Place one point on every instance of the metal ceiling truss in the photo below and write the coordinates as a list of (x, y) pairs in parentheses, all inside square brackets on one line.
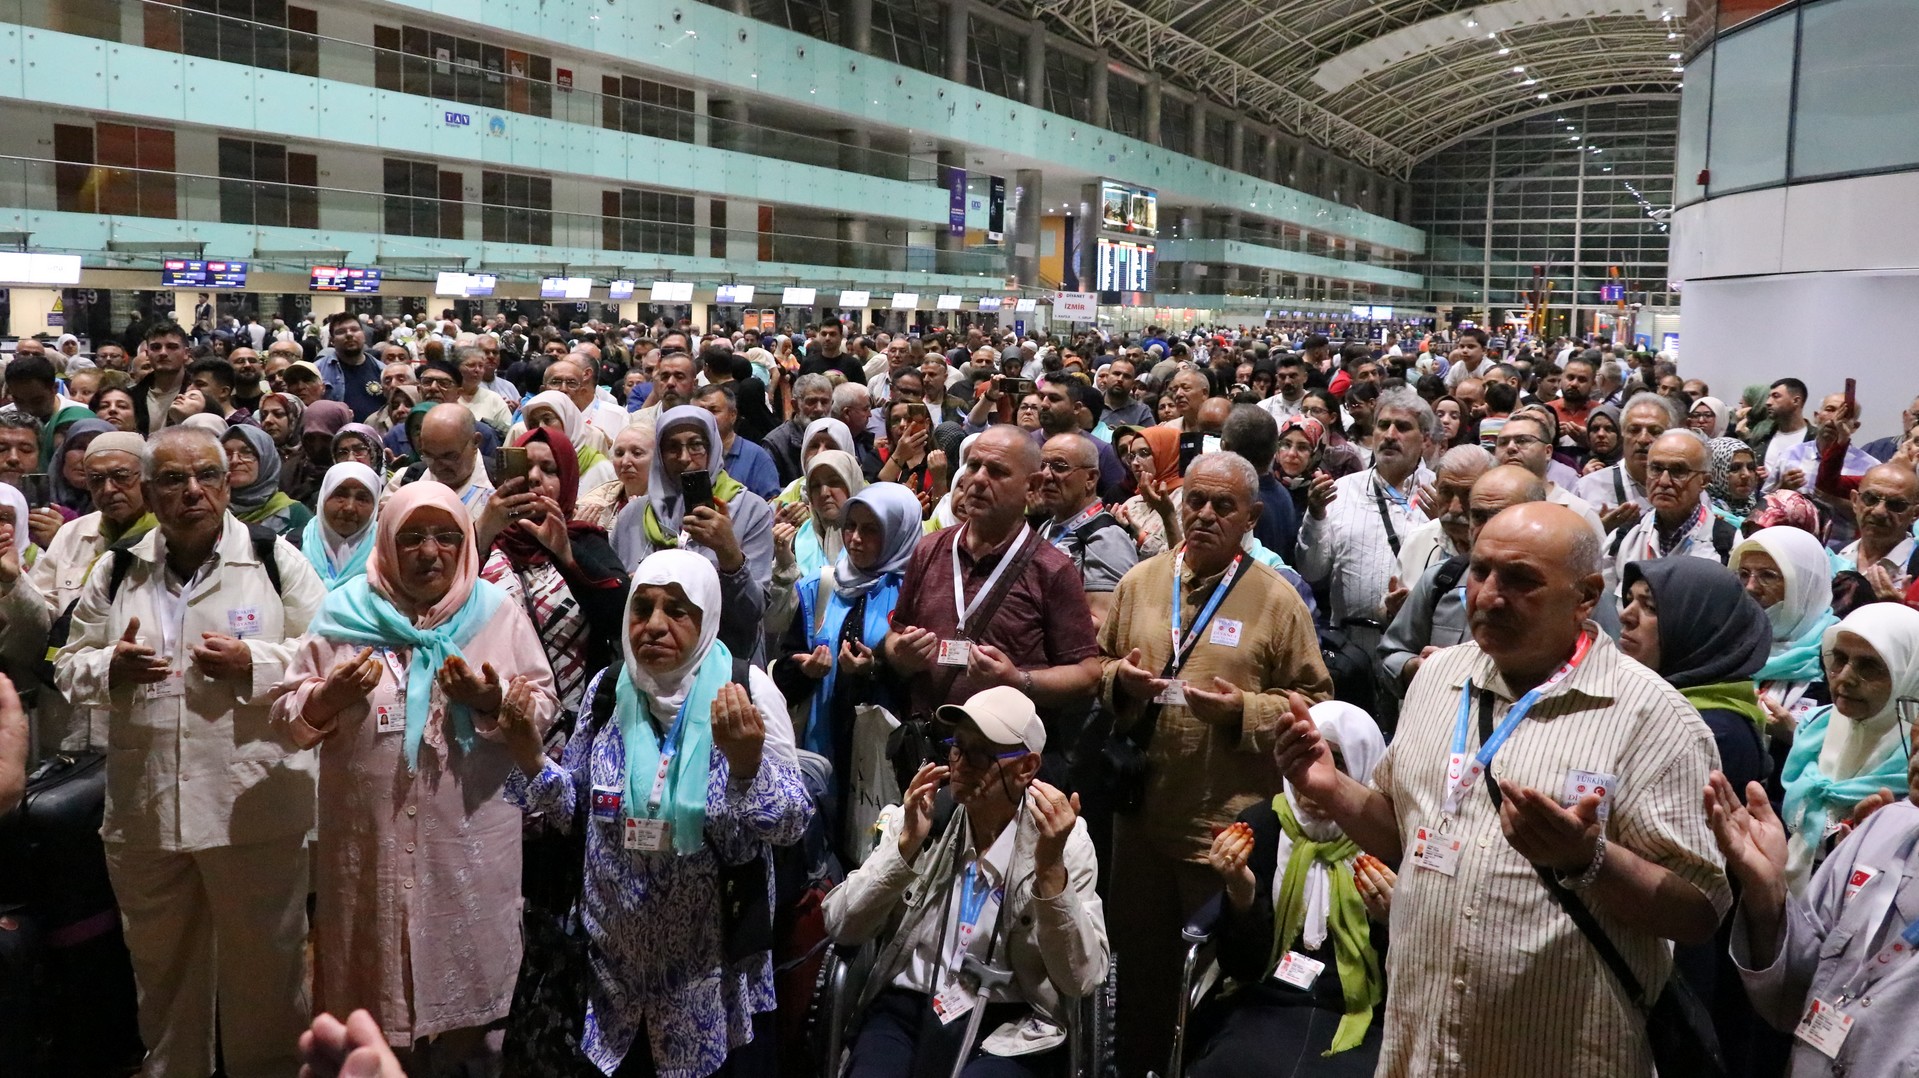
[(1259, 56)]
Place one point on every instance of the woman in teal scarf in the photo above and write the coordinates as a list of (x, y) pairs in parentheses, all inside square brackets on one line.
[(682, 764), (1851, 751), (1786, 570), (399, 683), (1293, 892), (340, 539)]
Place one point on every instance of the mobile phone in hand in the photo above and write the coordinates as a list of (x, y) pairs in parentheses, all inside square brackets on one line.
[(514, 463), (696, 489), (38, 490), (1191, 444)]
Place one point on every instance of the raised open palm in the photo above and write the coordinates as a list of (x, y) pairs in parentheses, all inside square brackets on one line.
[(1750, 836)]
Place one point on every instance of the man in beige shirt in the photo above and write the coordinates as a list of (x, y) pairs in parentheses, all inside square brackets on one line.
[(1489, 975)]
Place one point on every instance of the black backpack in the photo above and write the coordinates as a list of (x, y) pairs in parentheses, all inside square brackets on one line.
[(265, 540)]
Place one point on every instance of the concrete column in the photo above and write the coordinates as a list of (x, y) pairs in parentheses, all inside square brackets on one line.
[(853, 253), (859, 26), (1102, 107), (1035, 63), (1153, 94), (1199, 128), (1271, 155), (1189, 271), (855, 144), (1236, 146), (1026, 213), (724, 127), (956, 40)]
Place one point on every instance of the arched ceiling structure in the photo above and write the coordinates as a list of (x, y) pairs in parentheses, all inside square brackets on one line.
[(1385, 82)]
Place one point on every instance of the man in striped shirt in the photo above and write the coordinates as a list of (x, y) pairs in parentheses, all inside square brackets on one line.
[(1599, 777)]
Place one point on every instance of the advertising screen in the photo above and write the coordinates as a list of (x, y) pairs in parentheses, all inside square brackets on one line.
[(734, 293), (1124, 266), (351, 280), (1125, 208), (200, 273), (672, 292)]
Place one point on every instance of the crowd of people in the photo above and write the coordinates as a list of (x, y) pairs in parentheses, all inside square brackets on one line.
[(556, 694)]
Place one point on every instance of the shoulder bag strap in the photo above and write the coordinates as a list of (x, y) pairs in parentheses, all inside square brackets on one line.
[(1379, 499), (1575, 907)]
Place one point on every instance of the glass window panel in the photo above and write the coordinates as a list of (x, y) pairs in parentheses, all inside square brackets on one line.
[(1695, 98), (1856, 107), (1751, 96)]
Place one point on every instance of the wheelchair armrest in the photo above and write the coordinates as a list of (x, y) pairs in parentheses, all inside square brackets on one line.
[(1199, 928)]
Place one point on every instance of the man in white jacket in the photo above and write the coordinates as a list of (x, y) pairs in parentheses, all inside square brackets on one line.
[(183, 641)]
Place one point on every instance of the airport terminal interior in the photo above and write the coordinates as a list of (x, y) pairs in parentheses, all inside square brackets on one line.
[(883, 538)]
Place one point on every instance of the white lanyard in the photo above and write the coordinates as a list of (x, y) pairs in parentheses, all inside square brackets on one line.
[(963, 608)]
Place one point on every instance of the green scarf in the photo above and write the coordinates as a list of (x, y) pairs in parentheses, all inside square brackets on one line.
[(1360, 980), (261, 512), (59, 421), (1738, 696), (724, 489), (588, 457)]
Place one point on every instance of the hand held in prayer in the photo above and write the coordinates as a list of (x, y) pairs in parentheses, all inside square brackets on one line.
[(738, 732), (1231, 850), (1547, 834), (711, 526), (134, 662), (516, 729), (936, 467), (1426, 499), (1136, 681), (1623, 515), (783, 534), (1887, 586), (347, 683), (914, 649), (481, 691), (1780, 722), (1792, 479), (917, 809), (856, 659), (1149, 488), (355, 1048), (815, 664), (1053, 814), (991, 664), (220, 656), (1301, 753), (1869, 806), (1396, 593), (1375, 883), (9, 566), (1753, 841), (1320, 495), (1223, 705)]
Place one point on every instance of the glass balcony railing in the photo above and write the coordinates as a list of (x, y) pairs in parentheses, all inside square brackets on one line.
[(460, 71), (490, 235)]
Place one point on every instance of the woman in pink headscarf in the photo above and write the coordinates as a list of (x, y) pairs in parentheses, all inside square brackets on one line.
[(400, 682)]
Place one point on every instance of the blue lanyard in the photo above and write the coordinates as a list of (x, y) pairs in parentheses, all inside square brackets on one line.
[(971, 901), (1460, 778), (1206, 613), (669, 745), (1403, 501)]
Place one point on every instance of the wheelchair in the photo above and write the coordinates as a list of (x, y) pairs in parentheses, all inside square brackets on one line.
[(1090, 1036), (1198, 975)]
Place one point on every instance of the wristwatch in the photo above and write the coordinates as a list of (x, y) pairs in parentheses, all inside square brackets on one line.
[(1585, 879)]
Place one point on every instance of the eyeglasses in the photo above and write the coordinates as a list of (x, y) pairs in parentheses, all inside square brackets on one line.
[(1895, 506), (240, 452), (1521, 441), (1678, 473), (978, 757), (1767, 577), (565, 383), (119, 477), (445, 540), (1061, 467), (1139, 455), (173, 482)]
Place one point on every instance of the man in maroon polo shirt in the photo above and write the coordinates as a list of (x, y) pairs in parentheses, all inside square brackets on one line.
[(1039, 639)]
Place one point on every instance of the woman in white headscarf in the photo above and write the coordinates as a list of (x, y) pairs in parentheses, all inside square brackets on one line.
[(1786, 570), (682, 772), (555, 409), (802, 549), (1847, 758), (821, 435), (1708, 416), (946, 514), (339, 539), (844, 610), (1301, 932)]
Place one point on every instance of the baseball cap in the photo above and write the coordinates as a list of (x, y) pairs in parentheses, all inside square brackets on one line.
[(305, 367), (1003, 714)]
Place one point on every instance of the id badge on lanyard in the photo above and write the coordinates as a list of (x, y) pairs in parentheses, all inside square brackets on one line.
[(649, 833), (956, 651)]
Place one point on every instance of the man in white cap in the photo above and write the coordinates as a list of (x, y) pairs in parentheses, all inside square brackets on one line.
[(987, 890)]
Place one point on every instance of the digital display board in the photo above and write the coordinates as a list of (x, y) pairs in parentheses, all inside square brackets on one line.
[(856, 300), (798, 297), (200, 273), (672, 292), (1026, 306), (1124, 266), (989, 303), (947, 303), (620, 290), (566, 287), (23, 268), (906, 301), (466, 285), (1125, 208), (351, 280), (734, 293)]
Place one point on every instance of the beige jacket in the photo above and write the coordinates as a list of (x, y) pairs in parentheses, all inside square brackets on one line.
[(208, 767), (1057, 947), (58, 573)]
